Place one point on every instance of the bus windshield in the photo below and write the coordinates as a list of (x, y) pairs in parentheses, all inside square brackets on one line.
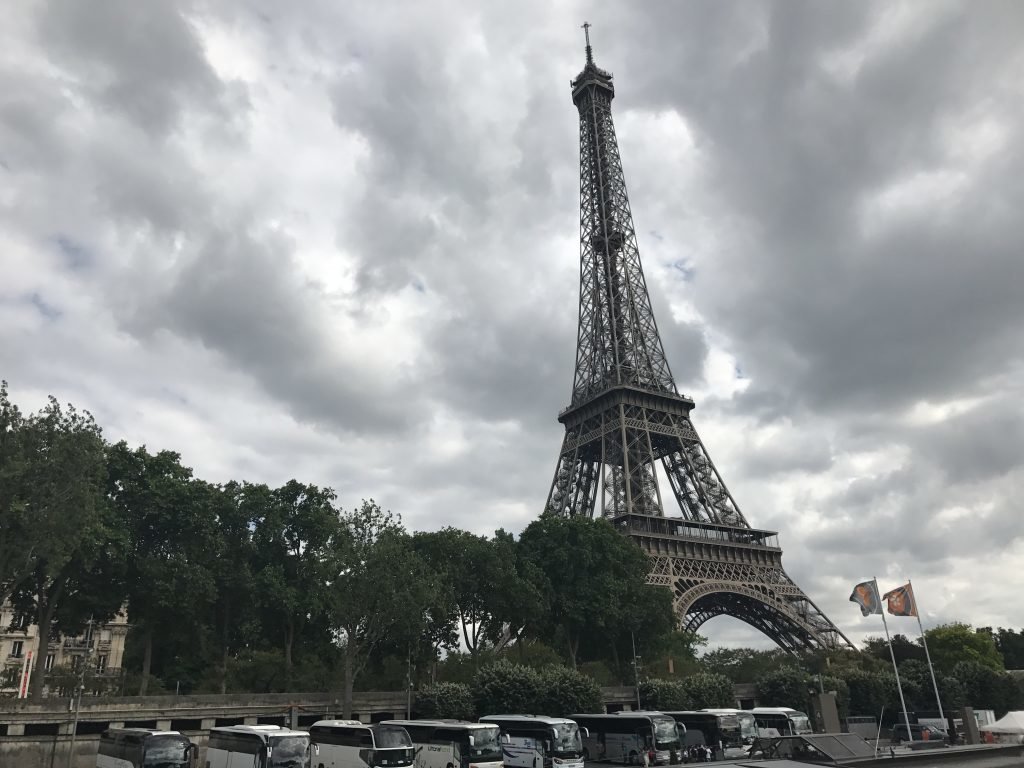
[(166, 752), (748, 727), (665, 734), (390, 736), (289, 752), (486, 743), (801, 723), (567, 740)]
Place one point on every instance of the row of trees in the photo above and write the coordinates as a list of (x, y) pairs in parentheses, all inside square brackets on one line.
[(240, 586), (243, 587), (969, 671)]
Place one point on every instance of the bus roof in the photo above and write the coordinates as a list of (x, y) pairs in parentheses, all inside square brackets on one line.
[(530, 719), (261, 731), (341, 724), (776, 711), (439, 723), (727, 711), (141, 732), (620, 715)]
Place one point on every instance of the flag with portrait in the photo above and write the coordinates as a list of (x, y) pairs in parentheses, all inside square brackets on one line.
[(901, 601), (865, 595)]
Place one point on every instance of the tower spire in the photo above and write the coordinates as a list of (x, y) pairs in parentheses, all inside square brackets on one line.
[(590, 51)]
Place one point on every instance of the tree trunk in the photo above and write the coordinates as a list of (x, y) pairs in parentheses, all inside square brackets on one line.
[(289, 640), (44, 620), (350, 675), (615, 658), (147, 661), (574, 645), (224, 648)]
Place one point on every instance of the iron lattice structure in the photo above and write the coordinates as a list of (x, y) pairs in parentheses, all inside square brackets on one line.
[(626, 418)]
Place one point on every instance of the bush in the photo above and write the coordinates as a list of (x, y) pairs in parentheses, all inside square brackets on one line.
[(705, 690), (445, 701), (506, 687), (566, 691), (785, 687), (670, 695)]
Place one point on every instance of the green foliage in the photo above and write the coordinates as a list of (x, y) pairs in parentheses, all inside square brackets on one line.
[(706, 690), (664, 695), (591, 580), (1010, 644), (951, 644), (445, 700), (867, 691), (785, 687), (566, 691), (903, 648), (506, 687), (987, 688), (743, 665)]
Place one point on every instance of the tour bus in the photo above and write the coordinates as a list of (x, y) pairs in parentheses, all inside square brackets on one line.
[(352, 744), (139, 747), (736, 745), (536, 741), (453, 743), (624, 736), (788, 722), (724, 730), (257, 746)]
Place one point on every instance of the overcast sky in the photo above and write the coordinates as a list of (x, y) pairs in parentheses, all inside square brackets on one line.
[(338, 241)]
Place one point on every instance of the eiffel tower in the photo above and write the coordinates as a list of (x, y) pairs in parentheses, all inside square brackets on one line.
[(626, 417)]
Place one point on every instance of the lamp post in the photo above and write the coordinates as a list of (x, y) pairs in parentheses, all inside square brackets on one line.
[(77, 693), (636, 669)]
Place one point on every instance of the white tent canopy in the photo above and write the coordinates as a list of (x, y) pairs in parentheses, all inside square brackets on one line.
[(1011, 722)]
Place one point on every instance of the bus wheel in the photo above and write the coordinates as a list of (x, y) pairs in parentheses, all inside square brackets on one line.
[(586, 753), (634, 758)]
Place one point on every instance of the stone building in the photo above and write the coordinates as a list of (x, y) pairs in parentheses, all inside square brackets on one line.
[(102, 650)]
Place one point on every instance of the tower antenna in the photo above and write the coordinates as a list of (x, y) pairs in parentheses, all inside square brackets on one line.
[(590, 51)]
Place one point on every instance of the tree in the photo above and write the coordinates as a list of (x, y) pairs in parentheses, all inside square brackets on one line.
[(297, 539), (168, 521), (445, 701), (379, 589), (474, 575), (741, 665), (506, 687), (785, 687), (19, 538), (903, 648), (867, 691), (565, 692), (708, 690), (1010, 643), (587, 572), (951, 644), (666, 695), (54, 473), (987, 688)]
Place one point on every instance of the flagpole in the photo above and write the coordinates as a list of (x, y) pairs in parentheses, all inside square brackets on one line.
[(927, 655), (895, 669)]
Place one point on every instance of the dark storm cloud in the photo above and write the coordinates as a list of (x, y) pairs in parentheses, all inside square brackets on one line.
[(142, 59)]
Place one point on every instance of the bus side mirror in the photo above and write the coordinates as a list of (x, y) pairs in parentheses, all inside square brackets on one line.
[(506, 739), (584, 733), (547, 746), (316, 749), (472, 740)]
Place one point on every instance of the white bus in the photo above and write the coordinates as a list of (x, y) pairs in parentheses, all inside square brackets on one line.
[(352, 744), (453, 743), (257, 746), (624, 737), (536, 741), (141, 747), (787, 721)]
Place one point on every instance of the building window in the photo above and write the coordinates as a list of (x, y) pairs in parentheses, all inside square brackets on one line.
[(48, 664), (105, 636), (101, 663), (16, 648)]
